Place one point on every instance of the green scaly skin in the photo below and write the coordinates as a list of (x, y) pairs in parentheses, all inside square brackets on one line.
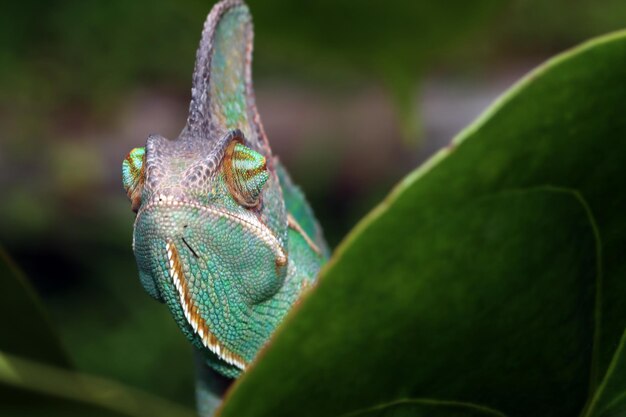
[(221, 236)]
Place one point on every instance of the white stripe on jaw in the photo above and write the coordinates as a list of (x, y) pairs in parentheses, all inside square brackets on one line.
[(190, 311)]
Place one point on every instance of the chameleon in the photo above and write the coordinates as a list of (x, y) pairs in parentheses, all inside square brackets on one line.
[(221, 234)]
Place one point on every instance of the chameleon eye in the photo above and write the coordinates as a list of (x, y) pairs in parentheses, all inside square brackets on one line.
[(133, 176), (245, 173)]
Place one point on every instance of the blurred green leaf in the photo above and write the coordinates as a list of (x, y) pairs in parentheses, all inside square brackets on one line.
[(26, 329), (106, 397), (493, 274), (29, 347), (426, 408), (110, 326)]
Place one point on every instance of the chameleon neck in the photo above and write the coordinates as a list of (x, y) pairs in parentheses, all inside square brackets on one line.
[(210, 386)]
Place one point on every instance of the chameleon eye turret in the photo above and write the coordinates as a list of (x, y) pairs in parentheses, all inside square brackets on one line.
[(133, 176), (246, 173)]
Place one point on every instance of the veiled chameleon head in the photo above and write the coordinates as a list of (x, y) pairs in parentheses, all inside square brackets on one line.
[(211, 228)]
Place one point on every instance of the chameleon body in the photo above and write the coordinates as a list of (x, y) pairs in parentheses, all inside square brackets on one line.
[(221, 235)]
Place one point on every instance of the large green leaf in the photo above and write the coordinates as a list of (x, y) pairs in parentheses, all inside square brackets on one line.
[(475, 306), (474, 281)]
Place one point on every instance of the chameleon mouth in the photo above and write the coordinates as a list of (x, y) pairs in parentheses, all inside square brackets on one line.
[(246, 219), (191, 311)]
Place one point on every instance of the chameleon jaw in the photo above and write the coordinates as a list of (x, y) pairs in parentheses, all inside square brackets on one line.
[(191, 311)]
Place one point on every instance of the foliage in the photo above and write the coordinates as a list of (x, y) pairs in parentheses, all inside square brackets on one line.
[(490, 281), (492, 275)]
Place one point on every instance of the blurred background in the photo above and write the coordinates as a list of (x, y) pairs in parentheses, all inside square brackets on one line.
[(353, 96)]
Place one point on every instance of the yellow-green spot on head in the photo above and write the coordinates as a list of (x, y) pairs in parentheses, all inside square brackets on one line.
[(245, 172), (133, 175)]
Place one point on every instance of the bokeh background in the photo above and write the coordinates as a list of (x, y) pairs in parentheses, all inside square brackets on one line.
[(353, 96)]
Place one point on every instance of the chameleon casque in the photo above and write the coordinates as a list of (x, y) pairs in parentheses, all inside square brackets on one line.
[(221, 234)]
